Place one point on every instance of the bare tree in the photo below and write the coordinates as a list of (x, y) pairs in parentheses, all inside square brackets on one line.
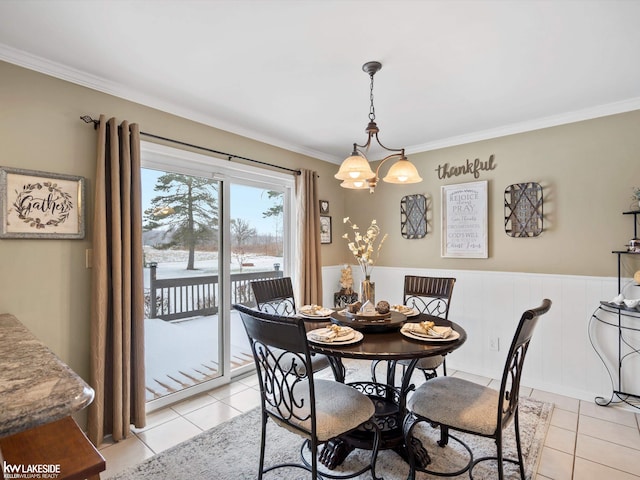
[(241, 232)]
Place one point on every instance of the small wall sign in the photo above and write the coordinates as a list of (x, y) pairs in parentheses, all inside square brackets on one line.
[(40, 205), (468, 168), (325, 229)]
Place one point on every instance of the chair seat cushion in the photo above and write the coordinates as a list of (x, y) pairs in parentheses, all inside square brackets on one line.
[(426, 363), (458, 403), (339, 409)]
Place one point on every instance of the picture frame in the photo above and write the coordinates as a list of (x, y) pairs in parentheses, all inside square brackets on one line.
[(324, 207), (325, 229), (41, 205), (465, 220)]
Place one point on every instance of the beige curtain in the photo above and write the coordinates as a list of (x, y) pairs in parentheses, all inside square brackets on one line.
[(117, 296), (309, 261)]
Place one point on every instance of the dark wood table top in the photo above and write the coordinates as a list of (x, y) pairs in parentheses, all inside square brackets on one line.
[(390, 345)]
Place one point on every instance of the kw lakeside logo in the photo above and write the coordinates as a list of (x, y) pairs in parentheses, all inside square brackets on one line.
[(38, 470)]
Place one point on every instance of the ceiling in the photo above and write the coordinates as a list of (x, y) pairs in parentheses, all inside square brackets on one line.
[(289, 72)]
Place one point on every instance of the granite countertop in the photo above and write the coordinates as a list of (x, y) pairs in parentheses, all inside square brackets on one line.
[(36, 387)]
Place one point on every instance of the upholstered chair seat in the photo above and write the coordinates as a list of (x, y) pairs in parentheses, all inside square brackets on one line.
[(459, 403), (426, 363), (339, 408)]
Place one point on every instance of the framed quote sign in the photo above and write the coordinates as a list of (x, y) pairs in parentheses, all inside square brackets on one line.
[(40, 205), (325, 229), (464, 220)]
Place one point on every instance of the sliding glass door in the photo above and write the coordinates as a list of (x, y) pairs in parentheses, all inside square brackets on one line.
[(208, 230)]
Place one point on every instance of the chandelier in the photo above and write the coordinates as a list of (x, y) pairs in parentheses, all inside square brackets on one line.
[(355, 172)]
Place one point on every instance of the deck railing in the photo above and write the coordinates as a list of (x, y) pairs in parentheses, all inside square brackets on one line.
[(175, 298)]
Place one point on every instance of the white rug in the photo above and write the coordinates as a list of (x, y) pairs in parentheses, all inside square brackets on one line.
[(230, 451)]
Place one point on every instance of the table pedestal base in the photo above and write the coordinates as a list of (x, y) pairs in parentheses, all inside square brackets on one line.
[(388, 418)]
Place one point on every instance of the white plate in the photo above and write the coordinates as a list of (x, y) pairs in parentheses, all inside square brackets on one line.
[(355, 337), (407, 313), (454, 336), (321, 313)]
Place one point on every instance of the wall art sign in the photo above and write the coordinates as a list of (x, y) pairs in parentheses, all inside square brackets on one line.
[(325, 229), (469, 167), (464, 220), (523, 213), (413, 216), (324, 207), (41, 205)]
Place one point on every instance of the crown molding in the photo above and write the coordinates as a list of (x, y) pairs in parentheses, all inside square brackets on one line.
[(78, 77), (531, 125)]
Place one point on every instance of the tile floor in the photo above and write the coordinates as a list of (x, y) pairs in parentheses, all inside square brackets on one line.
[(584, 441)]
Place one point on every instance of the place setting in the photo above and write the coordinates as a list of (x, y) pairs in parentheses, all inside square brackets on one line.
[(429, 331), (405, 310), (335, 335), (315, 312)]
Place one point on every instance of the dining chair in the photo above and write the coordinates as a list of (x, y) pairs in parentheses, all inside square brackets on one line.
[(459, 404), (275, 296), (316, 409), (430, 295)]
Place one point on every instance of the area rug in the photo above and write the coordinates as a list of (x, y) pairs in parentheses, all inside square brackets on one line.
[(230, 451)]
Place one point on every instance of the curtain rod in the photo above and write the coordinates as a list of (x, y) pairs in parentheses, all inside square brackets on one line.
[(88, 119)]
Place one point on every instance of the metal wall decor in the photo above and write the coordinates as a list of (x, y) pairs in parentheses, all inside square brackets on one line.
[(523, 210), (413, 216)]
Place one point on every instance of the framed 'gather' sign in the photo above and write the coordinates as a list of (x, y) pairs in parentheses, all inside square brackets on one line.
[(41, 205), (464, 220)]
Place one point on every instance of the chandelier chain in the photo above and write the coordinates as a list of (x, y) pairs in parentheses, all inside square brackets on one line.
[(372, 110)]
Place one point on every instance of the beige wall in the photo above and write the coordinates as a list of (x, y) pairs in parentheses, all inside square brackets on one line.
[(587, 170)]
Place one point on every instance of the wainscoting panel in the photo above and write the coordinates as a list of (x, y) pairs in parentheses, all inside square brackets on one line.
[(561, 358)]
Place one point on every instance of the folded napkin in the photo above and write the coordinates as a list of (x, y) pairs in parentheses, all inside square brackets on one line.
[(428, 329), (330, 334)]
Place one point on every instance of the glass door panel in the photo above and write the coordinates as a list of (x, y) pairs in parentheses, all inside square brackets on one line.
[(257, 252), (181, 239)]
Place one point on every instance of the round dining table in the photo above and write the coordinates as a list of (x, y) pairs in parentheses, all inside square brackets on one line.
[(381, 341)]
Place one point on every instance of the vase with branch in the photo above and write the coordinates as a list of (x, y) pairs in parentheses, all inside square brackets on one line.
[(366, 252)]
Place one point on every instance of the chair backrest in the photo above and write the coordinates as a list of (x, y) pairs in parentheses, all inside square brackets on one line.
[(431, 295), (510, 385), (281, 353), (274, 296)]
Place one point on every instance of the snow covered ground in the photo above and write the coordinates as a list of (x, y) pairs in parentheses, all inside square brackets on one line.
[(182, 353)]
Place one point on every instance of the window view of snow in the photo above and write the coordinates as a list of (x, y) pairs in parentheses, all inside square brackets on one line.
[(181, 243)]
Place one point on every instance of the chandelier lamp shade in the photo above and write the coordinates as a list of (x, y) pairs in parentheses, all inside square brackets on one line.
[(356, 173)]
